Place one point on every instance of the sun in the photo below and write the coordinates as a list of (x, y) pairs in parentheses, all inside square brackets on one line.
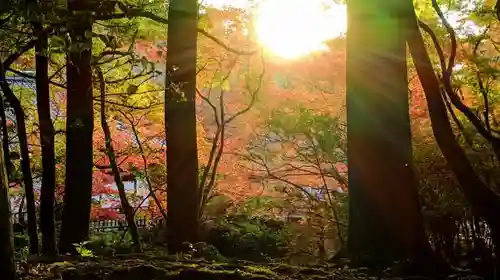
[(294, 28)]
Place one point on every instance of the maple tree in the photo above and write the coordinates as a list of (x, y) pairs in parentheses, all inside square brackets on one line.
[(299, 158)]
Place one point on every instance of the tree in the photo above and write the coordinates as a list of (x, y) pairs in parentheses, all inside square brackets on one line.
[(180, 121), (23, 144), (25, 166), (47, 193), (385, 219), (79, 129), (229, 85), (484, 201), (7, 267), (302, 153), (127, 209), (5, 138)]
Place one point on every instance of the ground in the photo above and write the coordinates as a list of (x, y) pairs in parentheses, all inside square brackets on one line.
[(141, 267)]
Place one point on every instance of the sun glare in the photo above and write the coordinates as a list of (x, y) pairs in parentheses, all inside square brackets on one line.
[(295, 28)]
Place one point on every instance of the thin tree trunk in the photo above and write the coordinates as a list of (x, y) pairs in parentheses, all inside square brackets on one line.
[(20, 210), (25, 166), (180, 121), (483, 200), (79, 131), (127, 209), (146, 175), (47, 193), (5, 139), (386, 223), (7, 263)]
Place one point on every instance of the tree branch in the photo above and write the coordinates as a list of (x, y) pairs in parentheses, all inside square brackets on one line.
[(128, 12)]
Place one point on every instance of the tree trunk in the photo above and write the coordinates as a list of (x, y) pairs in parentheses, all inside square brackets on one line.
[(7, 264), (20, 210), (483, 200), (146, 175), (180, 121), (127, 209), (5, 139), (25, 166), (47, 192), (385, 223), (79, 130)]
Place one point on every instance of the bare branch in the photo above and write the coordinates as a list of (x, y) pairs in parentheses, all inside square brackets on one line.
[(19, 73), (145, 163), (457, 102), (130, 12), (453, 38)]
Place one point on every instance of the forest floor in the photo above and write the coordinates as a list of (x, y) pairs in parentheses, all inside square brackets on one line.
[(143, 268)]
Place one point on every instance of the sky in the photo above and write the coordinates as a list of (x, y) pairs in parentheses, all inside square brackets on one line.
[(280, 31), (458, 20), (234, 3), (454, 17)]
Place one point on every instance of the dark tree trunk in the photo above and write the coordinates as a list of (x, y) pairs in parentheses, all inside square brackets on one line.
[(386, 223), (5, 139), (180, 119), (7, 264), (25, 166), (47, 193), (483, 200), (79, 130), (127, 209)]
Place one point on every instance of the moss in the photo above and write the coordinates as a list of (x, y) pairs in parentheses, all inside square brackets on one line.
[(318, 277), (207, 274), (260, 270), (159, 269), (166, 271), (313, 271)]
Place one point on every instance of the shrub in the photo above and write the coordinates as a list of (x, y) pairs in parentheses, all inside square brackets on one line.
[(249, 238), (109, 243)]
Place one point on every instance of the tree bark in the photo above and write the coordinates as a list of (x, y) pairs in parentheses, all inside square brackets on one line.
[(79, 131), (127, 209), (483, 200), (5, 139), (7, 263), (25, 166), (386, 223), (180, 121), (20, 210), (47, 192)]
